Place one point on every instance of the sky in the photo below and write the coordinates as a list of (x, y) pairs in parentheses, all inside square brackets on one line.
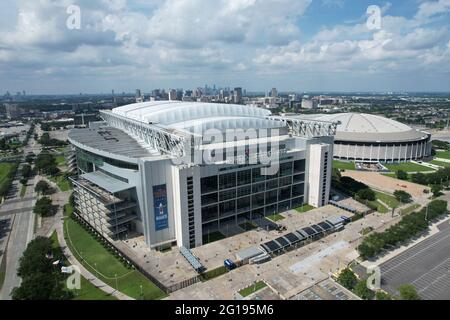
[(293, 45)]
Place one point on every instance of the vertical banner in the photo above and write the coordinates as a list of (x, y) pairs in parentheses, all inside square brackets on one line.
[(160, 207)]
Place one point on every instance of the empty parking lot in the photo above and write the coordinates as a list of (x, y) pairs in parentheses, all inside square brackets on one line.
[(426, 266)]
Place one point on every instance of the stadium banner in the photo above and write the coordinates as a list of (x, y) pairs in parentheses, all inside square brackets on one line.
[(160, 207)]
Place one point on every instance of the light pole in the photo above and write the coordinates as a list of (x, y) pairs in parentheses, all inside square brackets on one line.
[(426, 213), (117, 287), (142, 293)]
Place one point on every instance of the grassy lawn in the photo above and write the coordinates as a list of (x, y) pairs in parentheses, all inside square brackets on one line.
[(212, 237), (23, 189), (94, 253), (61, 181), (304, 208), (443, 154), (247, 226), (275, 217), (380, 208), (409, 209), (88, 291), (2, 270), (343, 165), (391, 201), (440, 163), (5, 167), (60, 160), (253, 288), (407, 167)]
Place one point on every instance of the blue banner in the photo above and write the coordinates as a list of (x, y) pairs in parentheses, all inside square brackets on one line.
[(160, 207)]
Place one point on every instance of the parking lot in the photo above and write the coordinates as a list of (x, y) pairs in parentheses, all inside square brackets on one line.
[(425, 265)]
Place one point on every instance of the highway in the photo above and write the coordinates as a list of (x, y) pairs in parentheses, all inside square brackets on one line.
[(20, 212)]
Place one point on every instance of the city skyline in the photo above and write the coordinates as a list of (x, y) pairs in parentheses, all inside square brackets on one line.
[(295, 46)]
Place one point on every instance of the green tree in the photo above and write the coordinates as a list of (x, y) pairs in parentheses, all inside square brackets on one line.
[(347, 278), (42, 187), (402, 175), (408, 292), (419, 178), (362, 291), (44, 207), (26, 171), (366, 194), (380, 295), (436, 189), (46, 163), (402, 196)]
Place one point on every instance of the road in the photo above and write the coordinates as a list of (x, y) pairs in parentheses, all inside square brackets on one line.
[(19, 211)]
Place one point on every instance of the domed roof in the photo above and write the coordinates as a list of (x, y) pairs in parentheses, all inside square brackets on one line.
[(360, 127), (366, 123)]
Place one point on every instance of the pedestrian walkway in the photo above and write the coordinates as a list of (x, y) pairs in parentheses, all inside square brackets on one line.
[(84, 272)]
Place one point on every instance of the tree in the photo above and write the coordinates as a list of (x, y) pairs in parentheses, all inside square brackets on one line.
[(42, 187), (366, 194), (436, 189), (402, 196), (380, 295), (44, 207), (41, 280), (26, 171), (362, 291), (408, 292), (347, 278), (419, 178), (402, 175), (46, 163)]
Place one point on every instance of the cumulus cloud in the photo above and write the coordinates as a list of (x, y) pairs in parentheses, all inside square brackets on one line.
[(181, 38)]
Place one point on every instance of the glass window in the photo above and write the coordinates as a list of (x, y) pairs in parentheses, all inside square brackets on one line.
[(243, 204), (299, 178), (284, 193), (258, 200), (271, 196), (257, 188), (227, 208), (209, 213), (209, 199), (227, 195), (209, 184), (285, 181), (244, 191), (257, 177), (244, 177), (298, 190), (286, 169), (299, 166), (227, 181)]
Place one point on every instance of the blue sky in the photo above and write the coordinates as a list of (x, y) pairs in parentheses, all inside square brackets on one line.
[(302, 45)]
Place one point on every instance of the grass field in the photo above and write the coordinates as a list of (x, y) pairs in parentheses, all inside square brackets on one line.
[(407, 167), (380, 208), (304, 208), (441, 163), (5, 167), (275, 217), (391, 201), (23, 189), (409, 209), (60, 160), (212, 237), (2, 270), (62, 182), (129, 281), (443, 154), (88, 291), (343, 165), (253, 288)]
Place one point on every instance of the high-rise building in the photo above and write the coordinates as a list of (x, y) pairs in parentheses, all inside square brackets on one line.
[(139, 97), (237, 95), (172, 94), (13, 111), (274, 93)]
